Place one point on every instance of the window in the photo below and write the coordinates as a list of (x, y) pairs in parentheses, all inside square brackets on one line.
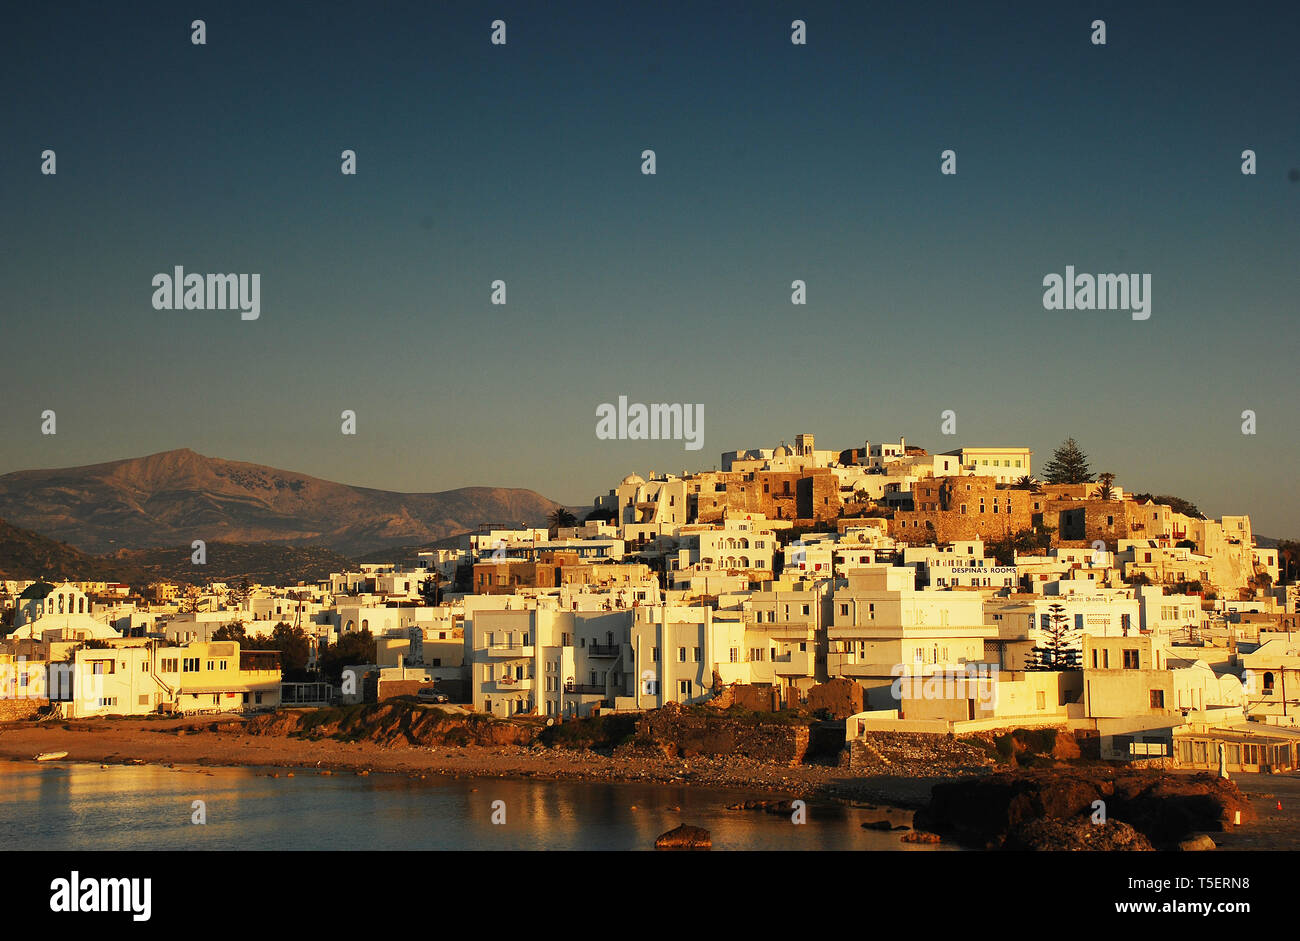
[(1157, 699), (169, 665), (99, 667), (144, 666), (681, 654), (654, 654), (1041, 699), (735, 654), (695, 655), (844, 610), (1130, 660), (684, 687)]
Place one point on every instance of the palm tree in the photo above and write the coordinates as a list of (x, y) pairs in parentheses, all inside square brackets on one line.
[(1029, 483), (561, 518), (1105, 491)]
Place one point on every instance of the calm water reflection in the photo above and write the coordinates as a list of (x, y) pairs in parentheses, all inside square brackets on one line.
[(55, 806)]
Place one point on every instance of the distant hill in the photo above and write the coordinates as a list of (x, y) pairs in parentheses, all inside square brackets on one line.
[(407, 555), (263, 562), (25, 554), (174, 497)]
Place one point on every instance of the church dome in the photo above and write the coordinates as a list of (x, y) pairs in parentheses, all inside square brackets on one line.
[(36, 590), (635, 479), (781, 451)]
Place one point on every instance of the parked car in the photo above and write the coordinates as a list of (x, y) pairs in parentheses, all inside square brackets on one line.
[(430, 694)]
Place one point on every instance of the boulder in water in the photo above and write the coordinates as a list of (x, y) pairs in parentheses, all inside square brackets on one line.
[(685, 837)]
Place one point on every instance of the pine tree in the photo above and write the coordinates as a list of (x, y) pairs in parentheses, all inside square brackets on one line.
[(1060, 648), (1069, 465)]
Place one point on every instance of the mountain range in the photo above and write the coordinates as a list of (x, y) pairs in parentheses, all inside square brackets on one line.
[(171, 498)]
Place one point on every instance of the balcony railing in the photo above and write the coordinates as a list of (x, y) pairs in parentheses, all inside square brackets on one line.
[(584, 689), (514, 683), (602, 650), (510, 650)]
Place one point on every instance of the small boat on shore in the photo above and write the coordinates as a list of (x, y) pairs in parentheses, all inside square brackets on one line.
[(51, 755)]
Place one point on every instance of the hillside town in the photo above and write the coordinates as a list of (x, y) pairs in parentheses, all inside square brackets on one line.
[(884, 585)]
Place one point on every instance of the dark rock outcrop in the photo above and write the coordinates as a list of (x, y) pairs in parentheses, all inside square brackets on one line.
[(687, 733), (921, 836), (1077, 833), (1163, 807), (781, 807), (685, 837), (395, 723)]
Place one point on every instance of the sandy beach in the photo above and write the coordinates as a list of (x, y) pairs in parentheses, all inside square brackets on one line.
[(191, 741)]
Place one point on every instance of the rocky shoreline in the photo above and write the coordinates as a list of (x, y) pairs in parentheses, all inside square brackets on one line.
[(195, 742), (1085, 808), (980, 807)]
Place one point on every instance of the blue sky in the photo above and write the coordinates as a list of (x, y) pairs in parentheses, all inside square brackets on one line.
[(775, 162)]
